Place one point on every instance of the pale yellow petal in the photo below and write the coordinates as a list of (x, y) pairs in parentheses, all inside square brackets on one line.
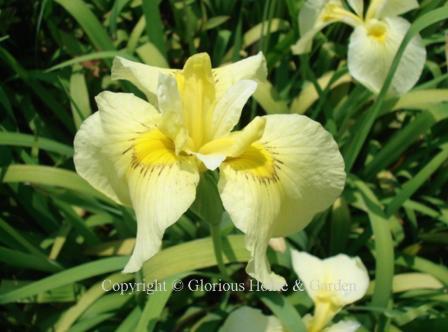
[(172, 122), (235, 143), (308, 165), (250, 320), (305, 43), (94, 165), (279, 183), (357, 6), (349, 278), (390, 8), (228, 109), (315, 16), (311, 272), (253, 204), (310, 13), (278, 244), (339, 280), (252, 68), (211, 161), (124, 117), (372, 49), (310, 23), (162, 187), (197, 91), (144, 77)]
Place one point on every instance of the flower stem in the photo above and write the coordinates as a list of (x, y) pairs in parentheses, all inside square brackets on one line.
[(217, 246)]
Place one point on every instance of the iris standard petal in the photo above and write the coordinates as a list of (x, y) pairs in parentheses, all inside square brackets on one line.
[(279, 183), (250, 320), (229, 107), (252, 68), (357, 6), (197, 92), (172, 122), (372, 49), (93, 165), (144, 77)]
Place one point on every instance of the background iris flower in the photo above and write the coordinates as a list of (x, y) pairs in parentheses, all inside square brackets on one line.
[(374, 42)]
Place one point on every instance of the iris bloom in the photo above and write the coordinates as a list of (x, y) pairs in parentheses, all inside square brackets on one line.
[(275, 174), (331, 283), (374, 42), (252, 320)]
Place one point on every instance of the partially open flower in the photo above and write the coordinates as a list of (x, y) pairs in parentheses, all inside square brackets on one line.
[(374, 42), (331, 283)]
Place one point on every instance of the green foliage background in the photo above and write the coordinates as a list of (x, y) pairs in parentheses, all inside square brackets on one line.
[(59, 238)]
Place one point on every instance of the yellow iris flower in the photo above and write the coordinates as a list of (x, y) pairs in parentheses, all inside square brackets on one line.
[(374, 42), (274, 175), (331, 283)]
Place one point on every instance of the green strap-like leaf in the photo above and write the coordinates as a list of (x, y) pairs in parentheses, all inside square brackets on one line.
[(50, 176), (410, 187), (18, 139), (90, 24), (384, 246)]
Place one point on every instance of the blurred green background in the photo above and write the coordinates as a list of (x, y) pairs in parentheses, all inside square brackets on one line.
[(59, 239)]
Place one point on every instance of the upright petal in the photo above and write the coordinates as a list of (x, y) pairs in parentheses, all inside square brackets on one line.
[(357, 6), (144, 77), (279, 183), (162, 187), (250, 320), (390, 8), (197, 91), (172, 122), (372, 49), (252, 68), (228, 109)]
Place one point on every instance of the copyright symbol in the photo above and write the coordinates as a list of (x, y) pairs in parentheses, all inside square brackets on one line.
[(178, 285)]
